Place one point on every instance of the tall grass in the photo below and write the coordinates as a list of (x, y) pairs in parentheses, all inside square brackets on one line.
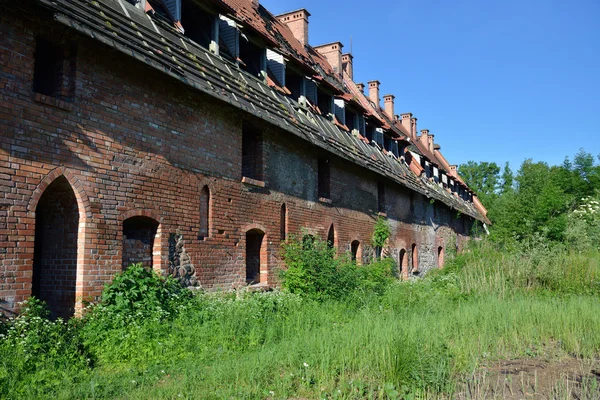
[(418, 338)]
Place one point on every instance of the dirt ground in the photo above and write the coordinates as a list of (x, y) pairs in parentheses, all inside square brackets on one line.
[(535, 378)]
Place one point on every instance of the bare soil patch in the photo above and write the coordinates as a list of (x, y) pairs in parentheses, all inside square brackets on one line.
[(535, 378)]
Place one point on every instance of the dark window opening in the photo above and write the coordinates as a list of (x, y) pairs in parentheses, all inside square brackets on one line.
[(324, 178), (283, 222), (49, 71), (351, 120), (55, 248), (380, 197), (294, 83), (325, 101), (256, 256), (138, 241), (412, 202), (370, 132), (204, 212), (252, 57), (252, 164), (331, 237), (387, 143), (355, 251), (198, 24)]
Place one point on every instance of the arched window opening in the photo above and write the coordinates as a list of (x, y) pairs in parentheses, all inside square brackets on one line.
[(356, 252), (403, 264), (256, 257), (331, 237), (415, 259), (139, 234), (283, 222), (55, 248), (204, 231), (440, 257)]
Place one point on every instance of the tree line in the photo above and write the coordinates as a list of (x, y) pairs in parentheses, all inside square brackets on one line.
[(558, 203)]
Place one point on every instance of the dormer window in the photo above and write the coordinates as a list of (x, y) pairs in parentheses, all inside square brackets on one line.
[(252, 58), (294, 83), (387, 143), (340, 110), (351, 120), (325, 103), (199, 25), (370, 132), (229, 39)]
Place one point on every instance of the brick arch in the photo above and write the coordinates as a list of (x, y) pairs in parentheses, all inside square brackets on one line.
[(161, 243), (83, 201), (256, 258), (85, 214)]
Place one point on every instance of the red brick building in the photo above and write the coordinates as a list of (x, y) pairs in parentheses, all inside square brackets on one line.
[(194, 136)]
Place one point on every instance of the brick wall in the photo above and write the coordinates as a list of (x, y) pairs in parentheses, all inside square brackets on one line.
[(135, 143)]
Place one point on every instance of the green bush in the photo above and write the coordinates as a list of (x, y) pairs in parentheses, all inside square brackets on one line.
[(314, 271)]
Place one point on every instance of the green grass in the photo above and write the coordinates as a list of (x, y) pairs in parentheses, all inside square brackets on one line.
[(417, 339)]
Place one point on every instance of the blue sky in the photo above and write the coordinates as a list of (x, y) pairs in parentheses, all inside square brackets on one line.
[(492, 80)]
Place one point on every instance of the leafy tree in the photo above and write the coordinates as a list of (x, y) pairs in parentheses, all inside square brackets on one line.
[(483, 177), (507, 179)]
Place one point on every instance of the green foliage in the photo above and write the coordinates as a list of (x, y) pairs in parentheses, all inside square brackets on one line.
[(314, 271), (37, 355), (381, 232), (583, 229), (482, 177)]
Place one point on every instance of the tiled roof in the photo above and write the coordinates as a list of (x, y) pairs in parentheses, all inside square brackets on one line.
[(159, 45)]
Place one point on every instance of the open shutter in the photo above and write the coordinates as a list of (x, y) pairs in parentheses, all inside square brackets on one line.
[(229, 36), (340, 112), (276, 66), (311, 90), (379, 137), (362, 127), (174, 8)]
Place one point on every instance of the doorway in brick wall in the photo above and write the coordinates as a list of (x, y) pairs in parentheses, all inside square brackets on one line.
[(55, 249), (256, 257), (139, 234)]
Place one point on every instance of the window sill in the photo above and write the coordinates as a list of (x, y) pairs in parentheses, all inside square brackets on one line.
[(382, 214), (325, 200), (52, 101), (253, 182)]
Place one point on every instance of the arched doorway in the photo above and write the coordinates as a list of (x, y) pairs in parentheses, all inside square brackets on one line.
[(256, 257), (331, 237), (403, 264), (139, 234), (55, 249), (415, 259), (356, 252), (440, 257)]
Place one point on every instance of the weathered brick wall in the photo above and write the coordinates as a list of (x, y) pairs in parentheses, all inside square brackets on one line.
[(136, 143)]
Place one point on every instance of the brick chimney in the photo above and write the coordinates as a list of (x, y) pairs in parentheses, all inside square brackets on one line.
[(333, 53), (424, 138), (374, 92), (405, 119), (388, 104), (413, 127), (347, 64), (297, 22), (453, 170), (361, 87), (255, 3)]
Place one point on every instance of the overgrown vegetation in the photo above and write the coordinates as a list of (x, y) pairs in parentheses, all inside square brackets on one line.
[(369, 338)]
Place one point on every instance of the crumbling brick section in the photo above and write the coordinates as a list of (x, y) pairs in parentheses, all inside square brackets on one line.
[(55, 254)]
